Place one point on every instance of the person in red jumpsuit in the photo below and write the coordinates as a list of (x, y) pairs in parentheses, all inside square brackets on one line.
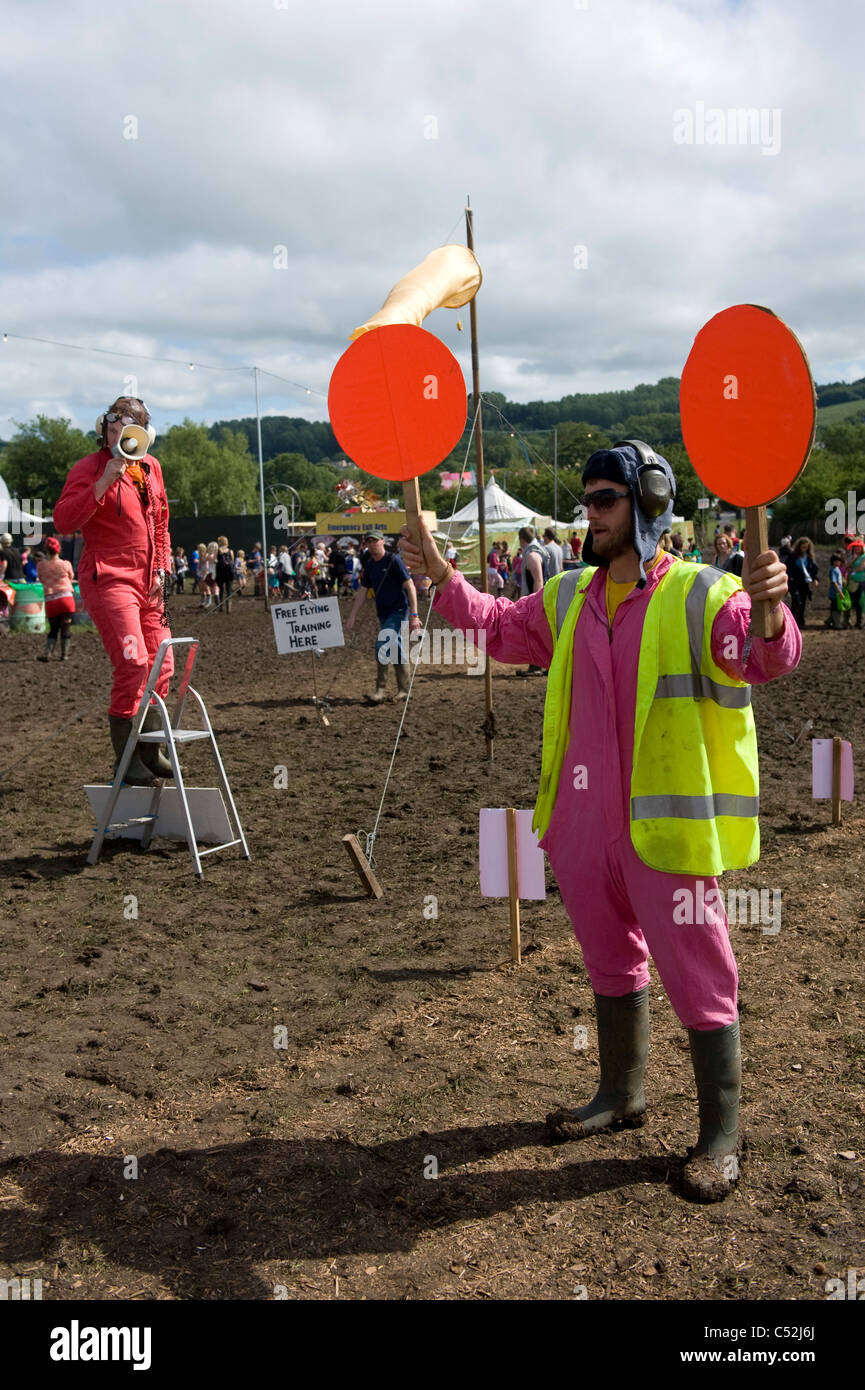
[(122, 511)]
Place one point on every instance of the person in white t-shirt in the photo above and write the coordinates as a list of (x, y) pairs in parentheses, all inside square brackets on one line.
[(554, 550)]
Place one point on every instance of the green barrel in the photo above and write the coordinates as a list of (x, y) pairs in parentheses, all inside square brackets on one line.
[(80, 618), (28, 613)]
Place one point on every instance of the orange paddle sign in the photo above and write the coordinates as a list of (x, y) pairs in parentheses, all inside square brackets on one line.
[(749, 413), (397, 401), (397, 398)]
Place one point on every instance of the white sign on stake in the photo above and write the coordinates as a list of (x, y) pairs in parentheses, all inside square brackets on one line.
[(702, 502), (307, 624), (821, 770), (494, 856)]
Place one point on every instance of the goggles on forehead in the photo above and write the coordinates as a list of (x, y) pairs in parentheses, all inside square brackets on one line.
[(138, 401)]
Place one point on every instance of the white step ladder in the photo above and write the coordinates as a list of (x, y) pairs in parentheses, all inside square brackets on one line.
[(171, 735)]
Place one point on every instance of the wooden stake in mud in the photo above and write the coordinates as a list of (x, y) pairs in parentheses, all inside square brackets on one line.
[(489, 719), (514, 885), (836, 780), (361, 863)]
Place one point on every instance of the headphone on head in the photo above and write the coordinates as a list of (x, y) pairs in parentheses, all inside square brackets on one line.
[(653, 492), (100, 420)]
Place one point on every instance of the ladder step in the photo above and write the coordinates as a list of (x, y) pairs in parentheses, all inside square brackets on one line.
[(122, 824), (214, 848), (179, 736)]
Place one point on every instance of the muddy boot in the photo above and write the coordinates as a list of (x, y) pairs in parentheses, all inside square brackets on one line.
[(151, 754), (64, 646), (403, 680), (712, 1170), (623, 1045), (50, 644), (380, 683), (137, 775)]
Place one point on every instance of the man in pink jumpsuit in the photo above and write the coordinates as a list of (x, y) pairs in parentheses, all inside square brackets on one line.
[(122, 511), (621, 909)]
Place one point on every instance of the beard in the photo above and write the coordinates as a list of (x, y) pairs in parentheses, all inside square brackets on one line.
[(614, 542)]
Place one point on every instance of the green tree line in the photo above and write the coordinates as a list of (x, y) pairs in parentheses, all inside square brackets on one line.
[(215, 469)]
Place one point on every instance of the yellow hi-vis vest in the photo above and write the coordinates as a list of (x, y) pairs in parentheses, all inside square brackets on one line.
[(694, 778)]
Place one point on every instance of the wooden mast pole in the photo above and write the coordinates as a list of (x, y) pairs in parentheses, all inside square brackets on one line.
[(489, 720)]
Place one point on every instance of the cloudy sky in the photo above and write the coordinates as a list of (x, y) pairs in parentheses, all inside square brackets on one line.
[(157, 156)]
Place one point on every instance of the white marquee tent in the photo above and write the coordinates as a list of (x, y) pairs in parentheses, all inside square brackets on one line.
[(503, 512), (14, 520)]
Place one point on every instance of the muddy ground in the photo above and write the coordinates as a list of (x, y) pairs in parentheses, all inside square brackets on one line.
[(412, 1042)]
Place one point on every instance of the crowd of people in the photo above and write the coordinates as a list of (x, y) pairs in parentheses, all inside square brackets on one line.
[(312, 567), (306, 568), (846, 588)]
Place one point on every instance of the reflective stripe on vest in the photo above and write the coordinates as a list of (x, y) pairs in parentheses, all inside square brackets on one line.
[(694, 779), (694, 807)]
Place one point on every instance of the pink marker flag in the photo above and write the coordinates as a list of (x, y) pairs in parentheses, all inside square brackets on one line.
[(494, 856), (821, 770)]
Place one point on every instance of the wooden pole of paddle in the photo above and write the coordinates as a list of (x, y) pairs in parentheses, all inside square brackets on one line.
[(836, 780), (489, 720), (756, 543), (514, 886), (411, 502)]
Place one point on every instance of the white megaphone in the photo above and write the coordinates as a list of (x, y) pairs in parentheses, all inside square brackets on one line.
[(133, 443)]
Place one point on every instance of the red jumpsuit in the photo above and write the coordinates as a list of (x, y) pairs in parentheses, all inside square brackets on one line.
[(122, 553)]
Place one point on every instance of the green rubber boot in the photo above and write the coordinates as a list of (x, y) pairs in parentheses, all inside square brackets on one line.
[(623, 1047), (712, 1169), (151, 754), (50, 644), (137, 775), (403, 680), (64, 646), (380, 683)]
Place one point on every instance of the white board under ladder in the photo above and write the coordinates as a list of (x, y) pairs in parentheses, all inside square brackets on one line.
[(181, 802)]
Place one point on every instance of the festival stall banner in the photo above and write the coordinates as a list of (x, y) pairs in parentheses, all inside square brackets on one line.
[(306, 624), (355, 524)]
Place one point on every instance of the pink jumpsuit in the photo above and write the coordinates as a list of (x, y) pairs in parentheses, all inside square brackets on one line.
[(621, 909), (117, 569)]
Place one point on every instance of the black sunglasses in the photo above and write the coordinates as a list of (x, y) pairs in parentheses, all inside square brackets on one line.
[(604, 499)]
